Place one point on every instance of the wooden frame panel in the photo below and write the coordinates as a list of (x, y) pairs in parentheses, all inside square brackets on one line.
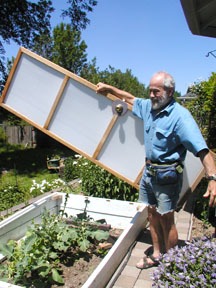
[(67, 108)]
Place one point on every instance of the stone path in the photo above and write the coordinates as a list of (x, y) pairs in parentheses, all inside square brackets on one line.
[(128, 275)]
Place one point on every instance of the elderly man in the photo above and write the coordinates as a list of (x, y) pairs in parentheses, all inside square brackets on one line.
[(169, 131)]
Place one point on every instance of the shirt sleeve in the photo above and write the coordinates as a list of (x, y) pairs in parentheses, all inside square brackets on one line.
[(139, 107), (190, 134)]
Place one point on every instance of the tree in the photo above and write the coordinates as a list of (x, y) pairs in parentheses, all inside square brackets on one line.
[(123, 80), (27, 23), (68, 50), (77, 12), (22, 22), (203, 108)]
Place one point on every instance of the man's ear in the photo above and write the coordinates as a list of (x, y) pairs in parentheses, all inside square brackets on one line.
[(170, 92)]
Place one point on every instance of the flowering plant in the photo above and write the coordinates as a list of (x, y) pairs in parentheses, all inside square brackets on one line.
[(45, 186), (193, 265)]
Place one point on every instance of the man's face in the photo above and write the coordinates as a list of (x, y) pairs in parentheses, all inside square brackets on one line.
[(159, 97)]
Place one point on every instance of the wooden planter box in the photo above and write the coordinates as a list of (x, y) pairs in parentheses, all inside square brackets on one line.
[(128, 216), (53, 163)]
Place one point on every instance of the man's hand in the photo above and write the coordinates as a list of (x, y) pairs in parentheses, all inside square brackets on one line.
[(102, 88), (211, 193)]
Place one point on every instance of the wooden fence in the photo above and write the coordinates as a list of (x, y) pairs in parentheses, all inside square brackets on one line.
[(19, 135)]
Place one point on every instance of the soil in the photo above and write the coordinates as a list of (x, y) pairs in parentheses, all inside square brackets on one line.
[(77, 274), (201, 229)]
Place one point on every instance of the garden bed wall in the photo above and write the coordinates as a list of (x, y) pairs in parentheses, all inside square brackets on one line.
[(116, 212), (15, 226)]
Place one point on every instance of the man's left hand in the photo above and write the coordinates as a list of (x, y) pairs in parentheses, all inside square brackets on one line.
[(211, 193)]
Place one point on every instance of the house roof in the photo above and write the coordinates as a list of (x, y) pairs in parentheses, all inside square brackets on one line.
[(200, 16)]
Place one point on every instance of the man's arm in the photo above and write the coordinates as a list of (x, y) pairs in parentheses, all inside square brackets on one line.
[(105, 88), (210, 170)]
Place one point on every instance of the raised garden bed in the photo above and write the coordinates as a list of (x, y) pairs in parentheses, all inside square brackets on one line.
[(120, 214)]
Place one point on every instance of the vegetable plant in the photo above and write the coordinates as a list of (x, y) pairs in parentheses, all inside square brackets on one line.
[(35, 259)]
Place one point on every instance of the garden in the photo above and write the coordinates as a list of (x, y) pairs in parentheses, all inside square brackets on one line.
[(54, 248), (25, 175), (50, 251)]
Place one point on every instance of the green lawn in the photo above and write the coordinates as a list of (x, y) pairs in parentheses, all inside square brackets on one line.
[(20, 167)]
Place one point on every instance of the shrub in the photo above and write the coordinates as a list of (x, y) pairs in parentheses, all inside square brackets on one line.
[(70, 171), (193, 265), (3, 137), (96, 181), (11, 195)]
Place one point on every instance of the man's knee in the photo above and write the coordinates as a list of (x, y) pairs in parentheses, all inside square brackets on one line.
[(152, 213), (167, 219)]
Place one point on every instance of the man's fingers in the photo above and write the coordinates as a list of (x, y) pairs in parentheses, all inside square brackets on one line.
[(207, 193), (212, 198)]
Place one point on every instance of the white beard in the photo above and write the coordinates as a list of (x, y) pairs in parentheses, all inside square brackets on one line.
[(160, 102)]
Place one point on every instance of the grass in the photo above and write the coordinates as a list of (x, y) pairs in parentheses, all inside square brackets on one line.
[(29, 161), (20, 166)]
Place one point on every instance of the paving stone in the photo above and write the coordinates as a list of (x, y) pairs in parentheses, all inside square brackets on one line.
[(146, 274), (133, 261), (130, 271), (140, 283), (137, 252), (141, 245), (183, 225), (125, 282), (183, 236), (132, 277), (181, 230)]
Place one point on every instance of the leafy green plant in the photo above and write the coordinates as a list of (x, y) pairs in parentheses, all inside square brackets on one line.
[(96, 181), (35, 260), (3, 137), (203, 107), (201, 205), (70, 170), (10, 195)]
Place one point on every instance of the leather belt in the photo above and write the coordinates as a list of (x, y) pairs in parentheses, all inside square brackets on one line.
[(147, 161), (154, 166)]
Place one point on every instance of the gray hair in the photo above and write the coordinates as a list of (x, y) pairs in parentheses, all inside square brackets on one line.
[(169, 82)]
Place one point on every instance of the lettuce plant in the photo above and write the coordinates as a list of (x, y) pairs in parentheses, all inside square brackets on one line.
[(192, 266)]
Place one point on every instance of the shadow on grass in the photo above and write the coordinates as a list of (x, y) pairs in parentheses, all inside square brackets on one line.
[(31, 160)]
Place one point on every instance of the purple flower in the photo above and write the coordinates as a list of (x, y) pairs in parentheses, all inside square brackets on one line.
[(188, 267)]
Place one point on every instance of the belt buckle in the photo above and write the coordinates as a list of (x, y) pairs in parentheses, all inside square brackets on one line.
[(151, 170)]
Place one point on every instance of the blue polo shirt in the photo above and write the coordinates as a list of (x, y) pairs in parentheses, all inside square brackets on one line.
[(168, 134)]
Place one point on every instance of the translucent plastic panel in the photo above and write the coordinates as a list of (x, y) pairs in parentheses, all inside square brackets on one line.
[(124, 150), (33, 89), (82, 117)]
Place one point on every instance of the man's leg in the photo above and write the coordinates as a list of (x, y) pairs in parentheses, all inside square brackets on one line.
[(170, 233), (163, 232), (156, 235), (156, 231), (162, 225)]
